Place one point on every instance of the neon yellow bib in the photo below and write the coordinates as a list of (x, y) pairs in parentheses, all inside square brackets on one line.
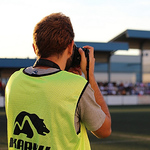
[(41, 110)]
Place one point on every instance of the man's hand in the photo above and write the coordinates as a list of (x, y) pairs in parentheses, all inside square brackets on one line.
[(83, 63)]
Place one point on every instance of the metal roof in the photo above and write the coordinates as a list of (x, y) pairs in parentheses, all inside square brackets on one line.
[(105, 47), (136, 38), (102, 51), (15, 62)]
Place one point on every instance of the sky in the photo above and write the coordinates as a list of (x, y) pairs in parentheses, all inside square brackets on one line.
[(93, 21)]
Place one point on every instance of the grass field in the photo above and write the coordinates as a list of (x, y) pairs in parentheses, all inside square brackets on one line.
[(130, 130)]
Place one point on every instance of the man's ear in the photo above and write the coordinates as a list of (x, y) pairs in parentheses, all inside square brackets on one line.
[(70, 47), (34, 48)]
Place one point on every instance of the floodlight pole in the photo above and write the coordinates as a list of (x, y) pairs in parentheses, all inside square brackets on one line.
[(0, 73), (141, 62), (109, 69)]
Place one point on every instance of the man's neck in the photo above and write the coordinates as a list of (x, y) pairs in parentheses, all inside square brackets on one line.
[(59, 61)]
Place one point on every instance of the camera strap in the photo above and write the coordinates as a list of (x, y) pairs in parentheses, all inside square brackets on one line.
[(45, 62), (87, 67)]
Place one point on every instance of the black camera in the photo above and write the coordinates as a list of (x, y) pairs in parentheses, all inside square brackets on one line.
[(76, 57)]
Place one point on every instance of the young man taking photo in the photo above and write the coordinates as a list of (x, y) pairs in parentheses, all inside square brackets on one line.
[(49, 108)]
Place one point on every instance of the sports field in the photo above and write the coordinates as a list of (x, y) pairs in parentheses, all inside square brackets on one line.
[(130, 130)]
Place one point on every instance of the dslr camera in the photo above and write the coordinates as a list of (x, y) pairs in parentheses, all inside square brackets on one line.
[(76, 57)]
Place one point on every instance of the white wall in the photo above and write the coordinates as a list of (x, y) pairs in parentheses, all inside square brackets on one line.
[(2, 101), (127, 100), (146, 77), (115, 100), (116, 77)]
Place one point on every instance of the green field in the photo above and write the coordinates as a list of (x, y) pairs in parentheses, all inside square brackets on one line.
[(130, 130)]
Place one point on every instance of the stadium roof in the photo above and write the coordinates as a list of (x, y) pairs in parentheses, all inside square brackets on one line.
[(15, 62), (104, 50), (105, 47), (137, 39)]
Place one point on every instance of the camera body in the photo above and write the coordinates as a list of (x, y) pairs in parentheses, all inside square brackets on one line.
[(76, 57)]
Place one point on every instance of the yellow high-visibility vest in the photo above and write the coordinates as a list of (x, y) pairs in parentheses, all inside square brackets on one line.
[(40, 112)]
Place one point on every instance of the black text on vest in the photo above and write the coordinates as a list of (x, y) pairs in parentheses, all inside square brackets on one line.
[(24, 145)]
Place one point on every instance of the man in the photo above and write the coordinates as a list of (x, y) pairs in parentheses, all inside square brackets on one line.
[(48, 107)]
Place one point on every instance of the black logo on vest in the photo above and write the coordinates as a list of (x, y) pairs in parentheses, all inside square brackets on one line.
[(23, 124)]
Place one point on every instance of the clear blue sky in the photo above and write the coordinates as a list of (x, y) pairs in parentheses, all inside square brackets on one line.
[(93, 20)]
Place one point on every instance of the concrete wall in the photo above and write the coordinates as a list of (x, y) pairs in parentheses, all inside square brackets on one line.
[(2, 101), (127, 100), (115, 100), (116, 77)]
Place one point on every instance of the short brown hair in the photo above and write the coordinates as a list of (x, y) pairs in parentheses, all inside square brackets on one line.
[(52, 35)]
